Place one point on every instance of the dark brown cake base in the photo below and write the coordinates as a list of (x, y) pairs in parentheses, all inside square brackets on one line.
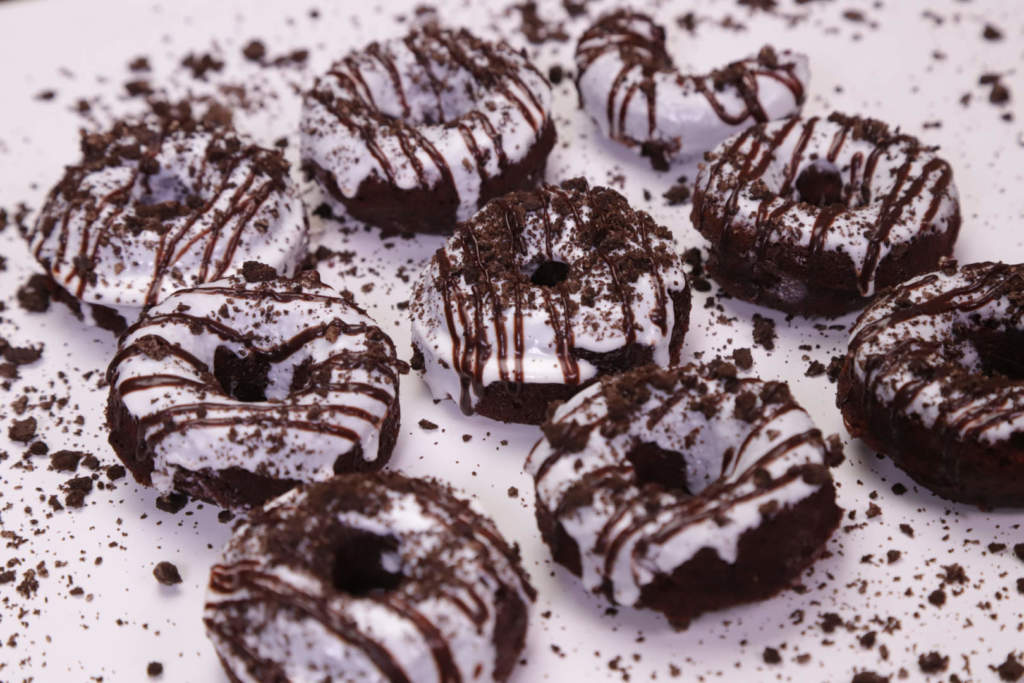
[(232, 487), (826, 289), (398, 210), (966, 472), (531, 403)]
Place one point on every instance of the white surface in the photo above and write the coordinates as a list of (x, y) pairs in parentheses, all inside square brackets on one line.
[(125, 619)]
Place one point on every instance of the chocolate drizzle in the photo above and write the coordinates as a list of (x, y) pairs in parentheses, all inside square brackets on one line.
[(191, 392), (639, 45), (919, 188), (484, 279), (456, 574), (119, 209), (475, 87)]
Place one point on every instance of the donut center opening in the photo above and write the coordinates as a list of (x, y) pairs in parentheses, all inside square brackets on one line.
[(656, 465), (820, 183), (365, 562), (1001, 353), (243, 378), (550, 273)]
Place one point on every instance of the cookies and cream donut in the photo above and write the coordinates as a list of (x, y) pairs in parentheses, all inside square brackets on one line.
[(934, 378), (236, 390), (416, 133), (629, 84), (541, 292), (684, 490), (162, 203), (812, 216), (371, 578)]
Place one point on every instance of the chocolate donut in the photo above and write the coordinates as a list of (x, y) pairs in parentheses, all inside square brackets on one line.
[(414, 134), (684, 490), (542, 292), (162, 203), (370, 578), (630, 86), (934, 378), (812, 216), (237, 390)]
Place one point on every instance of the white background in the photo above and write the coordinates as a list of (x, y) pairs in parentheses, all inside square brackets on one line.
[(884, 67)]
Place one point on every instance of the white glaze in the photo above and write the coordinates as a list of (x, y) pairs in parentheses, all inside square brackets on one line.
[(599, 326), (684, 121), (273, 232), (703, 443), (309, 652), (516, 108), (940, 404), (268, 447)]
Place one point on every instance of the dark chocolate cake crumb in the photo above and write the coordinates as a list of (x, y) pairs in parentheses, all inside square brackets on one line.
[(555, 74), (869, 677), (764, 331), (771, 656), (678, 194), (743, 359), (254, 50), (427, 425), (899, 489), (154, 669), (167, 574), (990, 32), (1009, 670), (1018, 550), (512, 492), (933, 662), (77, 489), (172, 502), (937, 597), (34, 295), (22, 430), (815, 369), (254, 271)]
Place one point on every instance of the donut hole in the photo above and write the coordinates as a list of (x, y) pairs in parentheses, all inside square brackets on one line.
[(820, 183), (243, 378), (550, 273), (364, 562), (1001, 352), (655, 465)]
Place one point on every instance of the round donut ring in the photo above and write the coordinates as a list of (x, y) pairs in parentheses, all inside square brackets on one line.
[(934, 378), (163, 203), (376, 578), (237, 390), (628, 84), (541, 292), (684, 490), (414, 134), (812, 216)]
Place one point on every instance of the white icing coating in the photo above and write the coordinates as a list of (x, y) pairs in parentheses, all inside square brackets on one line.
[(894, 339), (187, 421), (97, 236), (433, 108), (629, 86), (598, 321), (623, 545), (451, 581), (894, 193)]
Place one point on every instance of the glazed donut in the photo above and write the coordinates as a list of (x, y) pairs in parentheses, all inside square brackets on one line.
[(933, 379), (630, 86), (162, 203), (235, 391), (684, 490), (541, 292), (374, 577), (812, 216), (414, 134)]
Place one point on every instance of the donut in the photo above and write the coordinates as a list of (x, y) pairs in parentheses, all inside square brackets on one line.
[(237, 390), (161, 203), (684, 490), (629, 84), (813, 216), (541, 292), (414, 134), (934, 379), (375, 577)]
